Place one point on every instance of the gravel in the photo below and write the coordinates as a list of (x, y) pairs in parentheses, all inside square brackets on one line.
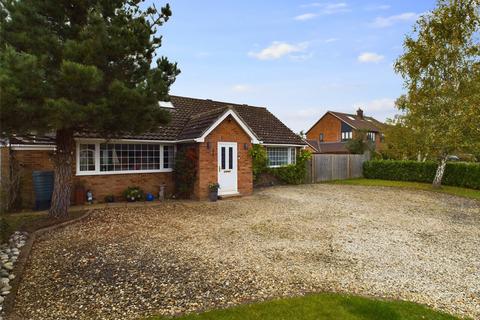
[(184, 256)]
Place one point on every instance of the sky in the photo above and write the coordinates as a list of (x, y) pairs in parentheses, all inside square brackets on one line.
[(297, 58)]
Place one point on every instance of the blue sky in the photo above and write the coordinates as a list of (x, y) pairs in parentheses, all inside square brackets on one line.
[(298, 58)]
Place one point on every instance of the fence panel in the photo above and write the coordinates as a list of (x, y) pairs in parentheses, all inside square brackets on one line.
[(325, 167)]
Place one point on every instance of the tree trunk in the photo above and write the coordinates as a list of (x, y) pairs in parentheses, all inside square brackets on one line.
[(437, 182), (62, 162)]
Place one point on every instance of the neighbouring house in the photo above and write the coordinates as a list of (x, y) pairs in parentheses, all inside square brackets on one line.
[(331, 132), (220, 134)]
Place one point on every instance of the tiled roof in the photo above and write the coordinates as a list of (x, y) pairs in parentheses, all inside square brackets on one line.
[(328, 147), (357, 122), (33, 139), (190, 117)]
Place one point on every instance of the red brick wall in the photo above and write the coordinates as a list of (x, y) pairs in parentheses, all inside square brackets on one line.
[(331, 128), (228, 131), (115, 184), (30, 160)]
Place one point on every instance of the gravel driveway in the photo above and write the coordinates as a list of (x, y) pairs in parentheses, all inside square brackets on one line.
[(180, 257)]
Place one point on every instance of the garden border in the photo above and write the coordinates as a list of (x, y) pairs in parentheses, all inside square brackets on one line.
[(22, 261)]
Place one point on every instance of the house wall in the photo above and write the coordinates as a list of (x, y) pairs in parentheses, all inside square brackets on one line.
[(228, 131), (29, 160), (330, 126), (115, 184)]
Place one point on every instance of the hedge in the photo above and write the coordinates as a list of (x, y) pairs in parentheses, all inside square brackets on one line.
[(460, 174)]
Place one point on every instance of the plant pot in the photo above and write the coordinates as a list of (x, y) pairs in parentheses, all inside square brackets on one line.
[(213, 195)]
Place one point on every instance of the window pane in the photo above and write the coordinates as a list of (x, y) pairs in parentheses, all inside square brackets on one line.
[(87, 157), (125, 157), (293, 155), (277, 156), (230, 158), (222, 158), (168, 157)]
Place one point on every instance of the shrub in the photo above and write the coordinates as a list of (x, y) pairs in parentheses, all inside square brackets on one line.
[(185, 172), (259, 160), (293, 173), (460, 174), (133, 194)]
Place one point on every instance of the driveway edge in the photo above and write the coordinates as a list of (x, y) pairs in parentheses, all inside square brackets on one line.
[(22, 261)]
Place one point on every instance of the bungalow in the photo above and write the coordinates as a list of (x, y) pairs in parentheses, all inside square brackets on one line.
[(220, 134), (331, 132)]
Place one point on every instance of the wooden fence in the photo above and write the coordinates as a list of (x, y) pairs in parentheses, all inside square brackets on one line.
[(325, 167)]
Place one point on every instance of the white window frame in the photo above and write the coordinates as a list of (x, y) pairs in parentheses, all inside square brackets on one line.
[(347, 135), (290, 159), (97, 158)]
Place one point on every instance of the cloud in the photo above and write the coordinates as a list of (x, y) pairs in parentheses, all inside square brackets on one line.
[(330, 40), (378, 7), (385, 22), (369, 57), (378, 108), (277, 50), (305, 16), (324, 9), (240, 88), (332, 8)]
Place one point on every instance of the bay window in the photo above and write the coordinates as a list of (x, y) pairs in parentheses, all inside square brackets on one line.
[(280, 156), (111, 158)]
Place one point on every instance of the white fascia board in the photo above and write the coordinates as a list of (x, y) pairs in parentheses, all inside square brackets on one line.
[(242, 124), (94, 140), (282, 145), (32, 147)]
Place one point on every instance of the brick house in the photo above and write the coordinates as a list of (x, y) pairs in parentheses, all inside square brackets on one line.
[(220, 133), (331, 132)]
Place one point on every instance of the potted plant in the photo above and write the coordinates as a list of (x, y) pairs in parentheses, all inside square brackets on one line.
[(213, 191), (109, 198), (132, 194)]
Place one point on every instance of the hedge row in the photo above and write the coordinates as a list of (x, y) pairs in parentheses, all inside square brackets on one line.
[(460, 174)]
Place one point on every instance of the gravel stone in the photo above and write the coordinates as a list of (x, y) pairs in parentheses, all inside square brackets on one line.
[(184, 256)]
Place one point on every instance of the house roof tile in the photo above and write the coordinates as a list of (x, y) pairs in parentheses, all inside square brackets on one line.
[(190, 117)]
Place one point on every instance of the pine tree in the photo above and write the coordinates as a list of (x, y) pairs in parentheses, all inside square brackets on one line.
[(72, 66)]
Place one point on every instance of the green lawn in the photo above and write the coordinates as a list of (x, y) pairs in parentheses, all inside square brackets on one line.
[(322, 307), (29, 221), (464, 192)]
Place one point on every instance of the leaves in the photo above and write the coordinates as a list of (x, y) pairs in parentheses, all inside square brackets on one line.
[(440, 68), (82, 66)]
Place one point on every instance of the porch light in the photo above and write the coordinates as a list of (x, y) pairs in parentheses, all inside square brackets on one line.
[(245, 146)]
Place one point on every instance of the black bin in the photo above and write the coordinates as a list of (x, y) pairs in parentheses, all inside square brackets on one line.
[(43, 187)]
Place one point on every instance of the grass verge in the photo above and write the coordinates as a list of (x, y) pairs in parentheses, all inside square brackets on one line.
[(322, 307), (29, 221), (463, 192)]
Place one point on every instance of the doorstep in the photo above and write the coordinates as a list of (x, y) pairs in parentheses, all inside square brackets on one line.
[(229, 196)]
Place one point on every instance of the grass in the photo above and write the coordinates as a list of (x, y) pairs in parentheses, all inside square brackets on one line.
[(322, 307), (29, 221), (463, 192)]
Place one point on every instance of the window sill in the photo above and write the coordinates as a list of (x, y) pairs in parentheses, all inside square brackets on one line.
[(106, 173)]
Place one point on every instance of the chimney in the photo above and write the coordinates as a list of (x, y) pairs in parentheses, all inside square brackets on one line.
[(360, 113)]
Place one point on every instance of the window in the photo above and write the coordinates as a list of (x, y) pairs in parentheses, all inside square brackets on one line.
[(371, 136), (320, 138), (168, 157), (280, 156), (87, 157), (346, 135), (105, 158), (129, 157)]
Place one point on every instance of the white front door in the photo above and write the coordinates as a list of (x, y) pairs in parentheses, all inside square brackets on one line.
[(227, 168)]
